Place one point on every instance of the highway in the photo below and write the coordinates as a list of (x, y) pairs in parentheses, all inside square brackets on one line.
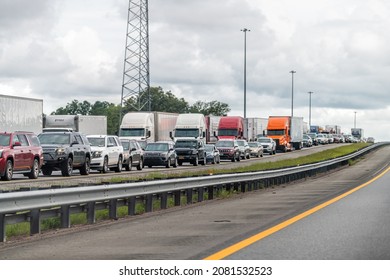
[(356, 224)]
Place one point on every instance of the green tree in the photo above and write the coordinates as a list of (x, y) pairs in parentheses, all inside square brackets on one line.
[(215, 108), (74, 108), (160, 101)]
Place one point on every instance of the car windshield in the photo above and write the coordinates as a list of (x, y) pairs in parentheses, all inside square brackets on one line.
[(4, 140), (209, 148), (51, 138), (185, 144), (264, 140), (125, 145), (224, 144), (96, 141), (253, 144), (157, 147)]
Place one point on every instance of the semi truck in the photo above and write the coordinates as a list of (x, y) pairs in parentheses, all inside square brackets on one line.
[(87, 125), (254, 128), (286, 131), (190, 126), (212, 123), (147, 126), (231, 127), (20, 114), (357, 133)]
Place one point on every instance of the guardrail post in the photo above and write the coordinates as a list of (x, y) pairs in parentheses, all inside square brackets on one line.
[(164, 200), (65, 216), (243, 186), (210, 191), (200, 194), (91, 216), (2, 228), (35, 221), (113, 211), (149, 203), (131, 205), (189, 195), (177, 197)]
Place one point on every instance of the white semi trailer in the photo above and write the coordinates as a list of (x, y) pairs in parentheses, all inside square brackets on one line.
[(87, 125), (147, 126), (19, 113)]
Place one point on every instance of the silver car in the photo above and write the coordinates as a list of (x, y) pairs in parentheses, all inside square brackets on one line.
[(269, 145)]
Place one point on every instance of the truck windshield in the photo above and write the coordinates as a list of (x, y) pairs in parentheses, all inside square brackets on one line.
[(51, 138), (276, 132), (132, 132), (4, 140), (227, 132), (187, 132), (185, 144)]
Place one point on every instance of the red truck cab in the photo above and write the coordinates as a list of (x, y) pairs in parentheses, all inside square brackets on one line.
[(231, 127)]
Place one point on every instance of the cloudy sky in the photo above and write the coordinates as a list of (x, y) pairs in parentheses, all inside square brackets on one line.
[(59, 50)]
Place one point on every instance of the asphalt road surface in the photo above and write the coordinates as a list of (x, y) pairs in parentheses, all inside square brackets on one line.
[(202, 230)]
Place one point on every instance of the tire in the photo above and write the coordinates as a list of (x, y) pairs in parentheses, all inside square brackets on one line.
[(168, 163), (67, 167), (86, 168), (9, 171), (34, 173), (176, 163), (47, 171), (141, 164), (219, 160), (248, 156), (129, 166), (196, 161), (180, 162), (105, 165), (234, 158), (119, 166)]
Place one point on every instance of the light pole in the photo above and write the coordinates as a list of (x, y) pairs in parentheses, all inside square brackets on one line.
[(245, 30), (354, 122), (310, 93), (292, 92)]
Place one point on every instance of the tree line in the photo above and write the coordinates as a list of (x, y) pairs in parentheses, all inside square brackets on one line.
[(159, 100)]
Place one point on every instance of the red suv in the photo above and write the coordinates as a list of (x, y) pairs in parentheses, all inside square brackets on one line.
[(20, 152)]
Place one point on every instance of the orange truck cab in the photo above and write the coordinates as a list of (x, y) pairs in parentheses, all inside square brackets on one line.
[(286, 131)]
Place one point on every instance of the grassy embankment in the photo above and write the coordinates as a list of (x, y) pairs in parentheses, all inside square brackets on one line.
[(52, 223)]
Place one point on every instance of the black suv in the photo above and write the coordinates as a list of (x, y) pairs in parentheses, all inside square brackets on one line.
[(65, 151), (190, 150)]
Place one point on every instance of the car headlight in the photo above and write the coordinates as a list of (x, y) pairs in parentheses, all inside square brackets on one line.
[(97, 154), (60, 151)]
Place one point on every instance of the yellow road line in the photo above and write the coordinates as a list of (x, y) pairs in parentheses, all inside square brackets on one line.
[(242, 244)]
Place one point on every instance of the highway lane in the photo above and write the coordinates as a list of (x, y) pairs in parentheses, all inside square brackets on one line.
[(19, 181), (356, 227), (196, 231)]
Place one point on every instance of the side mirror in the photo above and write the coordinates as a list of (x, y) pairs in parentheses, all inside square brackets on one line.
[(17, 143)]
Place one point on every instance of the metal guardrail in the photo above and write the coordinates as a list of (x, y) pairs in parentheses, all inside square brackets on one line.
[(33, 206)]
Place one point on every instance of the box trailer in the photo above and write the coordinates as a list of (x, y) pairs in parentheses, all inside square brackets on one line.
[(19, 113), (88, 125)]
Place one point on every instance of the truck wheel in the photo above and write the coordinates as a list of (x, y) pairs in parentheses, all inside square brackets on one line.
[(85, 169), (140, 165), (9, 171), (105, 165), (129, 166), (119, 165), (34, 170), (67, 167), (196, 161), (46, 171)]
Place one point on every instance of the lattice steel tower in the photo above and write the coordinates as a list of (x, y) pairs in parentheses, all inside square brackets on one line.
[(136, 79)]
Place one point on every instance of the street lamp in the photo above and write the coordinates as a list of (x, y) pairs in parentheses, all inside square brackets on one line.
[(354, 122), (310, 93), (245, 30), (292, 92)]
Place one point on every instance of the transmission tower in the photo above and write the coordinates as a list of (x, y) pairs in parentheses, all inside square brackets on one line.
[(136, 78)]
